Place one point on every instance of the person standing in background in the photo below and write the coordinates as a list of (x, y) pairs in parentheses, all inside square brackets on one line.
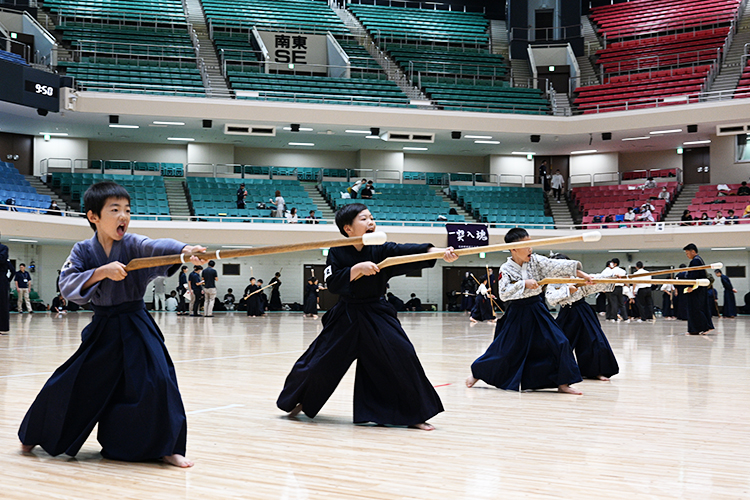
[(159, 293), (210, 278), (23, 284), (280, 205), (196, 290), (241, 195), (730, 304), (544, 176), (643, 297), (181, 290), (275, 303), (6, 275), (557, 184), (698, 305)]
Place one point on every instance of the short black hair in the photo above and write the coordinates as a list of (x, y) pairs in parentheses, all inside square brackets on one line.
[(683, 265), (252, 278), (211, 263), (346, 215), (615, 261), (97, 195), (717, 272), (639, 264), (22, 264), (183, 268), (691, 246), (561, 256), (516, 234)]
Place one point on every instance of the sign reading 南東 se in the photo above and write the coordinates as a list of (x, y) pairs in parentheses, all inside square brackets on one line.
[(467, 235), (297, 51)]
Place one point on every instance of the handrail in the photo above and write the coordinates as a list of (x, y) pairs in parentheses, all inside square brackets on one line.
[(590, 180), (517, 33), (44, 166), (410, 3)]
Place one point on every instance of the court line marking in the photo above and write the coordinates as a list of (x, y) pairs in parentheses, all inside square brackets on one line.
[(194, 412), (238, 356)]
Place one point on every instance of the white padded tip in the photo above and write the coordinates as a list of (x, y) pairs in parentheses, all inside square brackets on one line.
[(702, 282), (717, 265), (591, 236), (376, 238)]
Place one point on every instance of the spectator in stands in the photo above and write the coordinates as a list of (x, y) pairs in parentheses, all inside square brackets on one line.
[(731, 218), (719, 219), (291, 216), (59, 306), (630, 216), (23, 285), (650, 184), (54, 209), (646, 215), (311, 219), (367, 191), (414, 304), (557, 184), (746, 213), (664, 195), (544, 176), (354, 190), (171, 302), (280, 205), (11, 202), (241, 195), (704, 220), (686, 219), (229, 299), (743, 190)]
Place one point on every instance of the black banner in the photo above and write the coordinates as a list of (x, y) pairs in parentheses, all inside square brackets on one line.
[(467, 235)]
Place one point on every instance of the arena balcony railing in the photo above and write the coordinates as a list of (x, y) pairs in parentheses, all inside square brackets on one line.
[(422, 5)]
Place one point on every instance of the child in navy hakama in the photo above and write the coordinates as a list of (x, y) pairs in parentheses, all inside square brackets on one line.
[(310, 307), (121, 376), (530, 351), (582, 328), (729, 309), (390, 385), (483, 309), (698, 304)]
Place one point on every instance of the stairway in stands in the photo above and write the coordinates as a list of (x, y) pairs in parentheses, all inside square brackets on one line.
[(42, 188), (681, 202), (589, 76), (560, 212), (216, 86), (311, 188), (178, 204), (730, 72), (459, 209), (499, 38)]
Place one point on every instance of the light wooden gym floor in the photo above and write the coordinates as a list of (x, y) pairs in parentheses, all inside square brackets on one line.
[(675, 423)]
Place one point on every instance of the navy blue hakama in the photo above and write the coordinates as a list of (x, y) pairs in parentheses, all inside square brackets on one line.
[(729, 309), (530, 351), (122, 378), (584, 332), (390, 385), (483, 309)]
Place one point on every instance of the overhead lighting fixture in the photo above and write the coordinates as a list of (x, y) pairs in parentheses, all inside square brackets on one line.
[(298, 129), (693, 143), (18, 240), (372, 136), (302, 144), (717, 249), (54, 134), (366, 132), (188, 139), (169, 123), (637, 138), (477, 137), (486, 142), (408, 148), (671, 131), (623, 251), (117, 125), (583, 152), (523, 153)]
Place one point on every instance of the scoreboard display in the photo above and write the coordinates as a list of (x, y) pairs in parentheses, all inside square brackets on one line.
[(29, 87)]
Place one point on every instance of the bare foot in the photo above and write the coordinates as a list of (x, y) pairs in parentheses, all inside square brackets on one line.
[(567, 389), (424, 426), (603, 378), (27, 448), (472, 319), (314, 316), (177, 461), (470, 381), (296, 411)]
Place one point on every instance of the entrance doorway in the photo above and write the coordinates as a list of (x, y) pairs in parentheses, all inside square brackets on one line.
[(327, 299), (696, 164), (544, 21)]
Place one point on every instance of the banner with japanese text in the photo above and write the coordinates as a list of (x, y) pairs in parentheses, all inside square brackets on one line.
[(467, 235)]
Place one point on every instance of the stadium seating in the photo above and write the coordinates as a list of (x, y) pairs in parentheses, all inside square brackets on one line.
[(709, 199), (645, 174), (743, 86), (14, 185), (614, 200), (494, 98), (504, 206), (282, 15), (212, 197), (11, 57), (417, 204)]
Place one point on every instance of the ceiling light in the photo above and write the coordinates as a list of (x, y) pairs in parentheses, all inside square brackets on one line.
[(524, 153), (636, 138), (478, 137), (18, 240), (623, 251), (407, 148), (54, 134), (486, 142), (584, 152), (117, 125), (372, 137), (169, 123), (671, 131), (300, 129), (366, 132), (302, 144), (189, 139), (717, 249), (692, 143)]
